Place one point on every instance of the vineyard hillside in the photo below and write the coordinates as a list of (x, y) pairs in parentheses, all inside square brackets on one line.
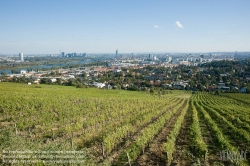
[(118, 127)]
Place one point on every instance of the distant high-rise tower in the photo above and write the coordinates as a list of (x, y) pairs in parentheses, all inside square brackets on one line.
[(169, 59), (116, 53), (235, 53), (63, 54), (21, 57), (84, 54), (211, 56)]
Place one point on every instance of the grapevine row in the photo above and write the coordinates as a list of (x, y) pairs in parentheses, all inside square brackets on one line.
[(169, 146), (147, 135)]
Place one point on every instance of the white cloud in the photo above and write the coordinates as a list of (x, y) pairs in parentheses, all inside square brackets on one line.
[(178, 24), (156, 26)]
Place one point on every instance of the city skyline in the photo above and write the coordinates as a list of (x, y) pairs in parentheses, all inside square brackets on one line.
[(131, 26)]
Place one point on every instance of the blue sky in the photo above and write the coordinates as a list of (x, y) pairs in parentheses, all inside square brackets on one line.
[(102, 26)]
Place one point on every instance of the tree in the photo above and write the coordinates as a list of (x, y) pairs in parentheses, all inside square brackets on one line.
[(71, 82), (14, 71), (79, 85), (59, 81), (44, 81), (3, 73), (84, 75), (217, 93), (22, 79), (152, 91)]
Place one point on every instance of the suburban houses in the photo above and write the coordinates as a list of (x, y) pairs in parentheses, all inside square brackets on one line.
[(146, 71)]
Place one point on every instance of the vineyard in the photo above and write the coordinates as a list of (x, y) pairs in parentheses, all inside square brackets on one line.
[(116, 127)]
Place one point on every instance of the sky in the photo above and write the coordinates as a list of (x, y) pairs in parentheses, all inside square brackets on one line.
[(131, 26)]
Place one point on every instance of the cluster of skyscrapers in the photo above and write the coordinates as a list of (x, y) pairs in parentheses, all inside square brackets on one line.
[(152, 57), (64, 55)]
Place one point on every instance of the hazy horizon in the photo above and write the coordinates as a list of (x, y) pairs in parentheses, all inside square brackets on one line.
[(113, 53)]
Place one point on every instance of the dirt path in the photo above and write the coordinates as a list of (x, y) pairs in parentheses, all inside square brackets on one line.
[(182, 153)]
